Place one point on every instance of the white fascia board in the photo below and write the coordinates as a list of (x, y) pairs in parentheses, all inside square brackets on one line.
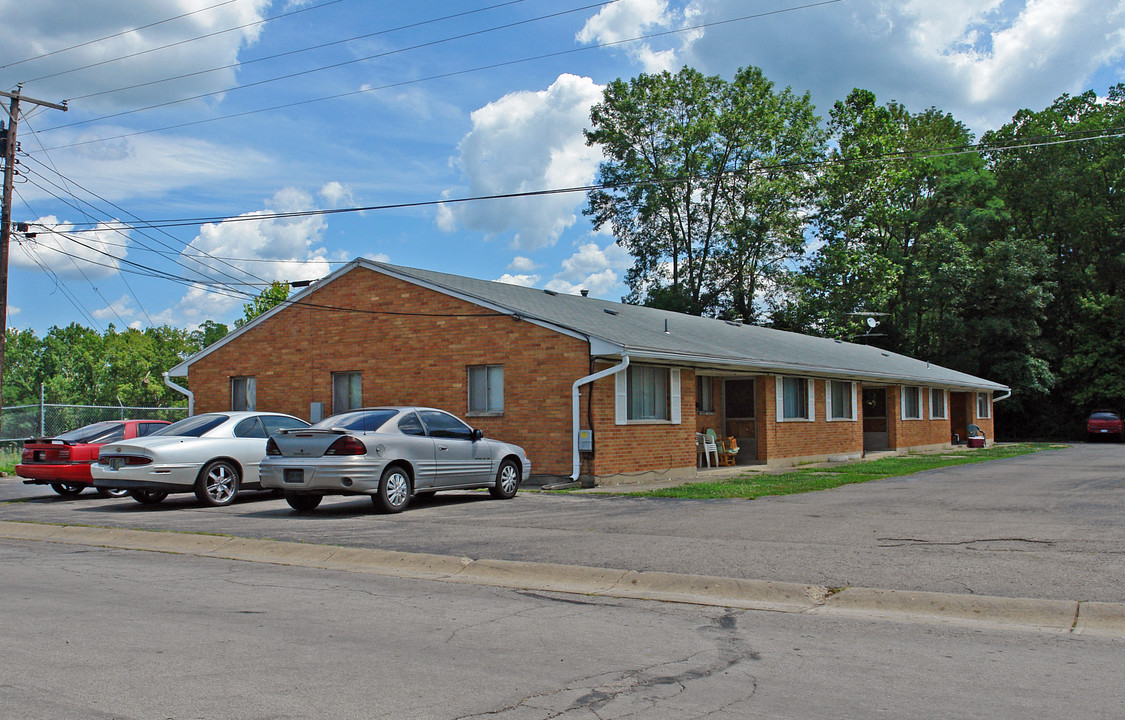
[(807, 370)]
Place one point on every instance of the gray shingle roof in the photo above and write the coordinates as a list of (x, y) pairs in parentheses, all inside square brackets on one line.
[(660, 335), (690, 340)]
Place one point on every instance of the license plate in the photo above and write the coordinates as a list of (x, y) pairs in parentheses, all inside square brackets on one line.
[(116, 463), (294, 475), (1104, 430)]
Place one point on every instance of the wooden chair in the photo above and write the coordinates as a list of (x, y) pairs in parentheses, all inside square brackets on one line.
[(728, 451)]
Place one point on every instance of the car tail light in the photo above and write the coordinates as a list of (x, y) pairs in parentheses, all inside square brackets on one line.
[(272, 448), (346, 445), (64, 454), (27, 455), (138, 460)]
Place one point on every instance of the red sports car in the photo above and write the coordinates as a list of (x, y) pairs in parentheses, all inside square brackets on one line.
[(63, 462)]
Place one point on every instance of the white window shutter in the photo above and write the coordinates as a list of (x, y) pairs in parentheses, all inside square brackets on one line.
[(674, 395), (855, 405), (621, 397), (827, 401), (811, 384), (779, 397)]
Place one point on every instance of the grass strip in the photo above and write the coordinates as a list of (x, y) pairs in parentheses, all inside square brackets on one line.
[(759, 484)]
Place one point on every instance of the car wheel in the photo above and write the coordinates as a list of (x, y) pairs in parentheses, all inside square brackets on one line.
[(67, 489), (303, 502), (217, 484), (507, 481), (148, 497), (394, 490), (112, 492)]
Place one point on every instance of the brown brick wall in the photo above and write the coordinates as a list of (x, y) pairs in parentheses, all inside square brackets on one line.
[(405, 359), (794, 439)]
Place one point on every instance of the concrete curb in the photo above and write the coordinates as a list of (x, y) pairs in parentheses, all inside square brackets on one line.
[(1057, 616)]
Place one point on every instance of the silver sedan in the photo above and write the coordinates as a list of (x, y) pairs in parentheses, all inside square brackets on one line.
[(391, 454), (214, 455)]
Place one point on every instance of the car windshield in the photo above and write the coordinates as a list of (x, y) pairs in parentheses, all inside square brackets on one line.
[(1104, 416), (193, 426), (359, 420), (94, 433)]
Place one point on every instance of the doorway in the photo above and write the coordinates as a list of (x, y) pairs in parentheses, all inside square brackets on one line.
[(875, 435), (740, 414)]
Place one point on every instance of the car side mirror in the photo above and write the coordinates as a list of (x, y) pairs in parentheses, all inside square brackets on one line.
[(477, 434)]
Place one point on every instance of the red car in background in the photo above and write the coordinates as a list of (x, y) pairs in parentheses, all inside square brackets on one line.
[(63, 462), (1106, 424)]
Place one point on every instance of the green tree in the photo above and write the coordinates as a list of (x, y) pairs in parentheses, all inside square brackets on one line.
[(275, 293), (704, 182)]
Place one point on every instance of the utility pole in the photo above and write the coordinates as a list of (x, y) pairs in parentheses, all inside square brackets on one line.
[(9, 146)]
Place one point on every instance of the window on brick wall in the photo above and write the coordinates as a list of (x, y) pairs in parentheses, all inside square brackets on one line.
[(647, 393), (486, 388), (984, 407), (704, 396), (841, 400), (347, 391), (911, 403), (937, 404), (242, 393), (794, 398)]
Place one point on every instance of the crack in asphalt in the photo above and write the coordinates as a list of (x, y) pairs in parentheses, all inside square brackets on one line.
[(637, 693), (889, 542)]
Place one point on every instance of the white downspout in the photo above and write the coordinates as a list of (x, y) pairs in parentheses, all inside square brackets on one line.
[(575, 409), (1002, 397), (185, 391)]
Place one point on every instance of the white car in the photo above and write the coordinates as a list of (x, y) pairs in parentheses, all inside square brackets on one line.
[(213, 455)]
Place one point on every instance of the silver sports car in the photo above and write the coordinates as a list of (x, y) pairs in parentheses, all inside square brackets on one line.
[(213, 454), (391, 454)]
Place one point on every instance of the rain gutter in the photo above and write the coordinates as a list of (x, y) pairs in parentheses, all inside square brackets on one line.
[(185, 391), (1005, 396), (576, 469)]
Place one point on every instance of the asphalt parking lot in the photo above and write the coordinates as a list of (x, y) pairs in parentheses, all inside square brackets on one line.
[(1049, 525)]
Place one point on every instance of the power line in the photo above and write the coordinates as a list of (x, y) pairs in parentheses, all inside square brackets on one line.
[(251, 61), (180, 42), (333, 66), (451, 74), (116, 34), (922, 154)]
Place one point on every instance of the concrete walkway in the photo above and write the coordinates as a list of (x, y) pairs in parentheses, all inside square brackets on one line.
[(1029, 614)]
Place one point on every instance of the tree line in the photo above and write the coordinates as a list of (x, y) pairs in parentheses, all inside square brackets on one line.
[(1002, 256), (76, 365)]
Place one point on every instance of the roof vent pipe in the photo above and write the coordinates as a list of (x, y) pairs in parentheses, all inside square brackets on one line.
[(574, 407), (585, 293)]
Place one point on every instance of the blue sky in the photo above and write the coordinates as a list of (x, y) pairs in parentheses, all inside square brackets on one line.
[(357, 103)]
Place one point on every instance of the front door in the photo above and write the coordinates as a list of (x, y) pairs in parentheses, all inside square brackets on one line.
[(741, 417), (875, 436)]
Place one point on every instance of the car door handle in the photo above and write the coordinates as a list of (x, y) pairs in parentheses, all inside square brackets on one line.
[(442, 447)]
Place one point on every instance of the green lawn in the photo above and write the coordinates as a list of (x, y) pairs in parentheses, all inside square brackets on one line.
[(754, 485), (8, 461)]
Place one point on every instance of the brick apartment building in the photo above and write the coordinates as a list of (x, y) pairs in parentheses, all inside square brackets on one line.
[(586, 386)]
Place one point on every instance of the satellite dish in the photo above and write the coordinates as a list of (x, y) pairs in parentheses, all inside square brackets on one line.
[(872, 322)]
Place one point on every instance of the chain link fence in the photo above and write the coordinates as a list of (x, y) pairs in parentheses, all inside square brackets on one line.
[(20, 422)]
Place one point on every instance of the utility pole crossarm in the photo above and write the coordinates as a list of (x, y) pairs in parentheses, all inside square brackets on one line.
[(16, 96)]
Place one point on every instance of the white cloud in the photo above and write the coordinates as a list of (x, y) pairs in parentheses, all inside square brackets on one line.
[(49, 27), (981, 61), (522, 280), (233, 250), (527, 141), (67, 251), (523, 264), (592, 268), (337, 195), (627, 19), (120, 308)]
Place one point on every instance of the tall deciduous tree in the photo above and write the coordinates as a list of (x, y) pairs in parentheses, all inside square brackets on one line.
[(275, 293), (705, 181)]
